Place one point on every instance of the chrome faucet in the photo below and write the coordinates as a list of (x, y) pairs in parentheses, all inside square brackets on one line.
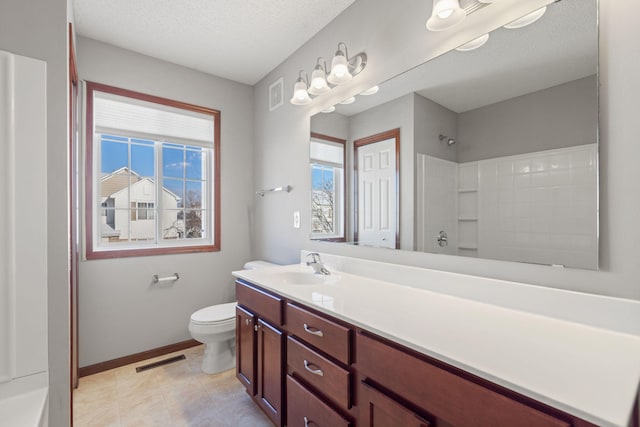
[(316, 263)]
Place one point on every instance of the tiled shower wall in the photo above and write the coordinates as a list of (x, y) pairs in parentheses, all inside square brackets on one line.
[(436, 180), (540, 207), (537, 207)]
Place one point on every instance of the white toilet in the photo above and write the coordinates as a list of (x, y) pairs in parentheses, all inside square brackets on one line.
[(215, 326)]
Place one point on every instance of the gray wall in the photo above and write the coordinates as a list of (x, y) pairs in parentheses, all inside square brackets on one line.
[(38, 29), (121, 312), (394, 39), (557, 117), (335, 125), (430, 121)]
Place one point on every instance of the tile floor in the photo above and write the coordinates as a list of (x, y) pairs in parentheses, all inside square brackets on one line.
[(175, 395)]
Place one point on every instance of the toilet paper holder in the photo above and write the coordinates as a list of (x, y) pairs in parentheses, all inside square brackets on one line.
[(157, 279)]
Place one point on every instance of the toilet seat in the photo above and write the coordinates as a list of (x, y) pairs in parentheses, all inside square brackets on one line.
[(215, 314)]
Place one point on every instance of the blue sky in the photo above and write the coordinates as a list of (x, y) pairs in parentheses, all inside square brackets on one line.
[(176, 161), (320, 174)]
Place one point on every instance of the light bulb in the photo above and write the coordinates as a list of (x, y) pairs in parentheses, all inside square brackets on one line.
[(329, 110), (348, 101), (318, 82), (300, 95), (474, 44), (339, 69), (370, 91), (445, 14), (527, 19)]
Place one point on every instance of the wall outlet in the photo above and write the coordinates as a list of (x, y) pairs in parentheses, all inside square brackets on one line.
[(296, 219)]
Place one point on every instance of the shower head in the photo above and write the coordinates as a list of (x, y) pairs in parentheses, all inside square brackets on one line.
[(447, 140)]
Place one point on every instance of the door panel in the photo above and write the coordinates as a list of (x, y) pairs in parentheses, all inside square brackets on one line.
[(246, 349), (377, 186), (270, 379)]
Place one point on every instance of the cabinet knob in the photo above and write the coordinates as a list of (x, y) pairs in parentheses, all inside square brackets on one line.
[(248, 321)]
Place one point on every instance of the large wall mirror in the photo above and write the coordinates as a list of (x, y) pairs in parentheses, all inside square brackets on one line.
[(488, 153)]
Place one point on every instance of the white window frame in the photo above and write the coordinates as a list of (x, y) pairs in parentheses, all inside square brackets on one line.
[(339, 194)]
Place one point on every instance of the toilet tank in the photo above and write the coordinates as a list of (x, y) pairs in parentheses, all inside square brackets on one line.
[(255, 265)]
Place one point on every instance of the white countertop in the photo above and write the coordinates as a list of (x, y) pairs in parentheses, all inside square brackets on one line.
[(586, 371)]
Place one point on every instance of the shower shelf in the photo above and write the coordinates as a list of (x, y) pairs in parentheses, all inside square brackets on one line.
[(467, 218), (467, 190)]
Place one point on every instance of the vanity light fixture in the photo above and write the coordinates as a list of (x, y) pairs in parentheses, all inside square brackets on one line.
[(370, 91), (474, 44), (329, 110), (348, 101), (527, 19), (343, 69), (318, 84), (445, 14), (300, 95)]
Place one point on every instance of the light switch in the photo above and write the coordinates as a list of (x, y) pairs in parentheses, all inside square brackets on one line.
[(296, 219)]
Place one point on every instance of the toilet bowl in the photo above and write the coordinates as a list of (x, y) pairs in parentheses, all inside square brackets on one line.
[(215, 326)]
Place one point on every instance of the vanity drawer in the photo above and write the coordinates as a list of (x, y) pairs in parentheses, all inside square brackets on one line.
[(304, 409), (441, 393), (320, 332), (265, 305), (329, 379)]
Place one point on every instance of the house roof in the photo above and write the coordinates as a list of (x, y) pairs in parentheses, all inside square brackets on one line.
[(107, 231), (118, 180)]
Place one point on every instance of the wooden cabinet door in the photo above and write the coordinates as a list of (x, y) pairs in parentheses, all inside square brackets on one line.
[(270, 371), (379, 410), (246, 349)]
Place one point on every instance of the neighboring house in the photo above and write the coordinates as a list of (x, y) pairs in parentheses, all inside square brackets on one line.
[(132, 216)]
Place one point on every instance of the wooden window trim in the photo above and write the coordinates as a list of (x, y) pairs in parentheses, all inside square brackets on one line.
[(91, 253)]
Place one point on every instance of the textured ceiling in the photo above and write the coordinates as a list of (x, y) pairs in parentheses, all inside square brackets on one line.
[(241, 40)]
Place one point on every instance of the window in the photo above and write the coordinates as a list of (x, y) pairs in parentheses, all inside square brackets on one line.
[(327, 187), (152, 176)]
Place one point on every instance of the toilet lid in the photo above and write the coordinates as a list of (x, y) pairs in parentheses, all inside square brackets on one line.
[(215, 314)]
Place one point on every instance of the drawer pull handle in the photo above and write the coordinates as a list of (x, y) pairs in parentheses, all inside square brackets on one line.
[(308, 365), (306, 422), (316, 332)]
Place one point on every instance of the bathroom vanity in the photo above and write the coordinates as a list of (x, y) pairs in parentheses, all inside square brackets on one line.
[(348, 350)]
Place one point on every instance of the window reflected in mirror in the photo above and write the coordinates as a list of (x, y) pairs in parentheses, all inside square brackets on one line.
[(327, 160)]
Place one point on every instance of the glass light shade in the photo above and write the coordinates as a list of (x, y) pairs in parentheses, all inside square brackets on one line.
[(474, 44), (370, 91), (348, 101), (527, 19), (339, 69), (300, 95), (445, 14), (318, 84), (329, 110)]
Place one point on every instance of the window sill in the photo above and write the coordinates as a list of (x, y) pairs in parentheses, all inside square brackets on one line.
[(123, 253)]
